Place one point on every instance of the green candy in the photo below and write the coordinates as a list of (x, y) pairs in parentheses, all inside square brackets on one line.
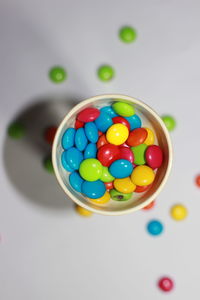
[(105, 73), (106, 176), (91, 169), (139, 154), (169, 121), (57, 74), (16, 130), (123, 109), (48, 165), (117, 196), (127, 34)]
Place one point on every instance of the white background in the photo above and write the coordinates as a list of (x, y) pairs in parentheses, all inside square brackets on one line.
[(47, 251)]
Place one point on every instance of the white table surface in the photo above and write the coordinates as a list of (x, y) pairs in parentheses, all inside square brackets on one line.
[(47, 251)]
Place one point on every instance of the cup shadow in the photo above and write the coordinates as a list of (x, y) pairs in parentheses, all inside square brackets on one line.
[(23, 158)]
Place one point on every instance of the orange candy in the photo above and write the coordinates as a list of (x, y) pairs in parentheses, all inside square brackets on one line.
[(141, 189), (197, 180), (149, 206), (102, 141), (137, 137)]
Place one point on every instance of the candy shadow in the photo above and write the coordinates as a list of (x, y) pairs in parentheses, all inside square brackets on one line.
[(23, 158)]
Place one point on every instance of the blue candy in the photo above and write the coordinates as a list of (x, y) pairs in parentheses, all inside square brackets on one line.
[(76, 181), (103, 122), (68, 138), (74, 157), (109, 110), (93, 189), (155, 227), (90, 151), (64, 162), (80, 139), (121, 168), (134, 121), (91, 132)]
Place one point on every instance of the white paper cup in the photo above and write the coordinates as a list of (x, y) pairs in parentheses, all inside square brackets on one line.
[(139, 200)]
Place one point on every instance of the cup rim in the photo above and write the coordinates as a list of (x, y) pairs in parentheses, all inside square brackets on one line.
[(89, 101)]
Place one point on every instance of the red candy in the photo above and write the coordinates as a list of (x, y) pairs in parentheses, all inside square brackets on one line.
[(124, 145), (154, 156), (102, 141), (126, 153), (107, 154), (166, 284), (122, 121), (137, 137), (141, 189), (149, 206), (88, 114), (100, 133), (109, 185), (49, 134), (78, 124)]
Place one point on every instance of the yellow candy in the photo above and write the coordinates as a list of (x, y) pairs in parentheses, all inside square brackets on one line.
[(83, 212), (179, 212), (142, 175), (104, 199), (117, 134), (150, 137), (124, 185)]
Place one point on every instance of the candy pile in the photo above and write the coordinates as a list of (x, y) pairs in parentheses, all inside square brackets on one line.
[(109, 154)]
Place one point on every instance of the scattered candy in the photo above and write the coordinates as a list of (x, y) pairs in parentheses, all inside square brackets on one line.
[(88, 114), (150, 137), (68, 138), (90, 169), (154, 156), (178, 212), (117, 134), (142, 175), (137, 137), (127, 34), (49, 134), (124, 185), (48, 165), (16, 130), (91, 132), (123, 109), (121, 168), (104, 199), (76, 181), (105, 73), (107, 160), (166, 284), (83, 212), (80, 139), (197, 180), (169, 121), (155, 227), (139, 154), (57, 74), (118, 196), (93, 189), (149, 206)]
